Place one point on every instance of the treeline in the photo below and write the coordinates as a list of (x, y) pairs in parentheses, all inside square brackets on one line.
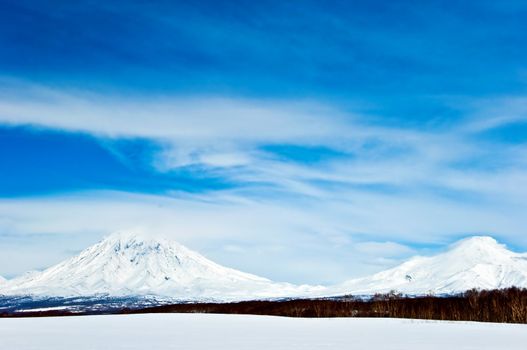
[(504, 305)]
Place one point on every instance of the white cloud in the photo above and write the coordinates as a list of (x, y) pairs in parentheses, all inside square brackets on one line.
[(273, 237), (191, 120), (489, 113), (392, 184), (384, 249)]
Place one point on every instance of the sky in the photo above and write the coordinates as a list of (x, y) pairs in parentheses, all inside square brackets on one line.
[(304, 141)]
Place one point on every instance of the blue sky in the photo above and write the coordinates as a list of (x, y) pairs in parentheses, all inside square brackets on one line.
[(304, 141)]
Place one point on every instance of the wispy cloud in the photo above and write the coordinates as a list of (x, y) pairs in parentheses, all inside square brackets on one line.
[(372, 190)]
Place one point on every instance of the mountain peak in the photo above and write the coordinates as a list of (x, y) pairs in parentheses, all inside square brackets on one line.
[(478, 241), (479, 245), (131, 236), (132, 242), (131, 263), (473, 262)]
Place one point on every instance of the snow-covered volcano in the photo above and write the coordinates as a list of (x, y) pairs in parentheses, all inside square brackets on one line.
[(129, 264), (475, 262), (134, 265)]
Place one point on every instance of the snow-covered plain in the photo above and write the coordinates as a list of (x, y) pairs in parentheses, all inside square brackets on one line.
[(206, 331)]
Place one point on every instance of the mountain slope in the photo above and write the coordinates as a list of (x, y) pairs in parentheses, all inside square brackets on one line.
[(127, 264), (475, 262)]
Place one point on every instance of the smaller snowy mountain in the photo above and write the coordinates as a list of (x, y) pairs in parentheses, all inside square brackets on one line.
[(2, 280), (476, 262), (130, 264)]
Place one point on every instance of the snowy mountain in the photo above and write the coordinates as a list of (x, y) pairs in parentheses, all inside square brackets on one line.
[(128, 264), (475, 262), (132, 265), (2, 280)]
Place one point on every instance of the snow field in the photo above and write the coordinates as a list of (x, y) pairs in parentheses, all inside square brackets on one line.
[(207, 331)]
